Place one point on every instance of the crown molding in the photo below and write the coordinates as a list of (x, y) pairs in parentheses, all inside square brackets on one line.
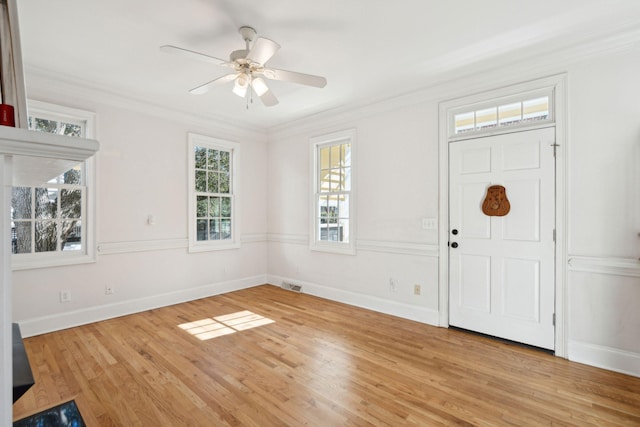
[(458, 77), (42, 82)]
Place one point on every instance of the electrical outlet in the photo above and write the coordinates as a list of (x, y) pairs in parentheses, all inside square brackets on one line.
[(65, 296), (416, 289), (108, 290), (392, 285)]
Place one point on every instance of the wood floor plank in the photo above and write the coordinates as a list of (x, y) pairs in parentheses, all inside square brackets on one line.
[(292, 359)]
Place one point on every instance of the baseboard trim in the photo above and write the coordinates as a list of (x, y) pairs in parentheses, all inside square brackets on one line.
[(45, 324), (394, 308), (604, 357)]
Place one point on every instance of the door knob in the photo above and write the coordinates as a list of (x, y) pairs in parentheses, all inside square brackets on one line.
[(454, 231), (454, 245)]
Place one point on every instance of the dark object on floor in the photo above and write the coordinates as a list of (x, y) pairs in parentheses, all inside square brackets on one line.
[(65, 415), (22, 375)]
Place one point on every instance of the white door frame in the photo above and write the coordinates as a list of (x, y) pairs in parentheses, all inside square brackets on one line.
[(558, 84)]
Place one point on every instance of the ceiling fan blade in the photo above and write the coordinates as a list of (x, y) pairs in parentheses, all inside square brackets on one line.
[(193, 55), (269, 99), (262, 50), (295, 77), (205, 87)]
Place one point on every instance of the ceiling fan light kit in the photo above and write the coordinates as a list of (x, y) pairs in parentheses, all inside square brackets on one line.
[(249, 68)]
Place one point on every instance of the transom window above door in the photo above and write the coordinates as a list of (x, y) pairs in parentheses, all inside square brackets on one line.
[(502, 114)]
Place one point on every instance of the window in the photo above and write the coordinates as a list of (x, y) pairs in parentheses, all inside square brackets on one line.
[(212, 206), (525, 110), (52, 224), (333, 192)]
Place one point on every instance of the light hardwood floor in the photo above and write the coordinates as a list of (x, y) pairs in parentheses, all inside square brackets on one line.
[(319, 363)]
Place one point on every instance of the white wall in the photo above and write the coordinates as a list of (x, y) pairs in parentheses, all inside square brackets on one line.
[(398, 184), (604, 212), (141, 171)]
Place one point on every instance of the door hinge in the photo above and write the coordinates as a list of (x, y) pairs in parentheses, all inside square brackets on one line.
[(554, 234), (553, 320), (555, 146)]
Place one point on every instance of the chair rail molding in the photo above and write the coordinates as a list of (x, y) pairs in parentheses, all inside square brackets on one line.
[(629, 267)]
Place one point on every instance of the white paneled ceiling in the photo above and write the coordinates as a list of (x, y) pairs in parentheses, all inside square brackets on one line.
[(368, 50)]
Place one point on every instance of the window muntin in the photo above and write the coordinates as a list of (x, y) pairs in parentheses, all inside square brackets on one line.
[(212, 194), (50, 224), (333, 206), (528, 110)]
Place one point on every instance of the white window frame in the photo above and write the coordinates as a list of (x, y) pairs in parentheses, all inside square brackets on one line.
[(315, 143), (88, 254), (234, 148)]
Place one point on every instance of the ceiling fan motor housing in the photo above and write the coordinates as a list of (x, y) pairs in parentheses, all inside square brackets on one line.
[(238, 54)]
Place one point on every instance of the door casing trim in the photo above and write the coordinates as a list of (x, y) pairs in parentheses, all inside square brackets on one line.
[(558, 84)]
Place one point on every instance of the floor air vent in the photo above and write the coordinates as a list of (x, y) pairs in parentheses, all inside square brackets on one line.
[(291, 287)]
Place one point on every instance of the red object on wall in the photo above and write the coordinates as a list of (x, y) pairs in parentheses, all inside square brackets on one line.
[(7, 116)]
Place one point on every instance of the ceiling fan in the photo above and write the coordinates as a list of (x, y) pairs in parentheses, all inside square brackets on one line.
[(249, 68)]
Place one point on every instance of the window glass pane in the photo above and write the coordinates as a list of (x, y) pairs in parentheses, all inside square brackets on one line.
[(201, 157), (332, 208), (21, 237), (212, 184), (46, 236), (214, 207), (46, 203), (343, 230), (510, 113), (43, 125), (225, 158), (201, 181), (346, 154), (224, 183), (70, 203), (324, 232), (346, 177), (334, 156), (201, 206), (464, 122), (21, 203), (324, 158), (71, 236), (212, 162), (72, 176), (214, 229), (225, 229), (535, 109), (486, 118), (201, 229), (325, 180), (225, 207), (323, 208), (336, 180), (343, 206)]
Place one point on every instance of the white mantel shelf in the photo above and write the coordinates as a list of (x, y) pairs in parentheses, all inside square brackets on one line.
[(39, 156)]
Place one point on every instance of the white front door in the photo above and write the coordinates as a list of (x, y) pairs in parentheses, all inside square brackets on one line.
[(501, 268)]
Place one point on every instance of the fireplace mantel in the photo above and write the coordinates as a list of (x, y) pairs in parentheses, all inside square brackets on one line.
[(39, 156)]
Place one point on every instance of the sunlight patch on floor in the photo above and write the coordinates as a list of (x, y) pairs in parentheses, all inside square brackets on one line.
[(206, 329)]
